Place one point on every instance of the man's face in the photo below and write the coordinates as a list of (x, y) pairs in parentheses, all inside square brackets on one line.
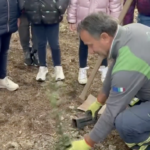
[(99, 46)]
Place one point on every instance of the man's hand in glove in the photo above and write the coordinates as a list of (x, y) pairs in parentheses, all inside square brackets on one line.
[(94, 108), (85, 144), (80, 145)]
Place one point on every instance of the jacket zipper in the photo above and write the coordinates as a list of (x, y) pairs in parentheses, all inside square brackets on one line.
[(8, 16)]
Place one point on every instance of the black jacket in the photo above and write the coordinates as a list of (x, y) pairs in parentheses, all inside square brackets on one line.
[(9, 13), (45, 11)]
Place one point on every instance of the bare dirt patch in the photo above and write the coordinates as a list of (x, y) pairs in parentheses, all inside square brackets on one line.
[(26, 116)]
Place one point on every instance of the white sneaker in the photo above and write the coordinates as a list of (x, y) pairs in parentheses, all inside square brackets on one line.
[(82, 77), (8, 84), (41, 76), (59, 74), (102, 68), (103, 71)]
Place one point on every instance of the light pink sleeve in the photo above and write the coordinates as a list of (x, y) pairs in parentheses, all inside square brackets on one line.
[(72, 11), (115, 7)]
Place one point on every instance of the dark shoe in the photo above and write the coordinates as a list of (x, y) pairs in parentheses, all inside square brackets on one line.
[(35, 61), (35, 58), (28, 59)]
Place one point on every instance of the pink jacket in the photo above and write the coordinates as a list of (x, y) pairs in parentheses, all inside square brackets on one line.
[(79, 9)]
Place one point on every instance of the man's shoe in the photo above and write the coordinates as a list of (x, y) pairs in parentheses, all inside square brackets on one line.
[(8, 84)]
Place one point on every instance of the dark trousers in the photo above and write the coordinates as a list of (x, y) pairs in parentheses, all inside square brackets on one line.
[(24, 34), (144, 19), (133, 124), (48, 33), (83, 55), (4, 46)]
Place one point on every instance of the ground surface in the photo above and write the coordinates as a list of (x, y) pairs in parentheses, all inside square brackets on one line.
[(27, 120)]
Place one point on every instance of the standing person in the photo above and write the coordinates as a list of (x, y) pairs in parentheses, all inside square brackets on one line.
[(45, 17), (128, 77), (143, 7), (30, 53), (9, 14), (77, 11)]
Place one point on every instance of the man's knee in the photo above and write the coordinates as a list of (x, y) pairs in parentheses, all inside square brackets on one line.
[(125, 125), (131, 127)]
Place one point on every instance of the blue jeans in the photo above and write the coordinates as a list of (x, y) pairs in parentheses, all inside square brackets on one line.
[(83, 55), (144, 19), (4, 47), (48, 33)]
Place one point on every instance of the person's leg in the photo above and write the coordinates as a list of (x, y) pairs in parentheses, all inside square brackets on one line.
[(144, 20), (34, 39), (40, 33), (104, 62), (24, 34), (53, 39), (83, 54), (4, 47), (34, 52), (133, 126)]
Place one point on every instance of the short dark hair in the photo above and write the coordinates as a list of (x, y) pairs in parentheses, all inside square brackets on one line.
[(97, 23)]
